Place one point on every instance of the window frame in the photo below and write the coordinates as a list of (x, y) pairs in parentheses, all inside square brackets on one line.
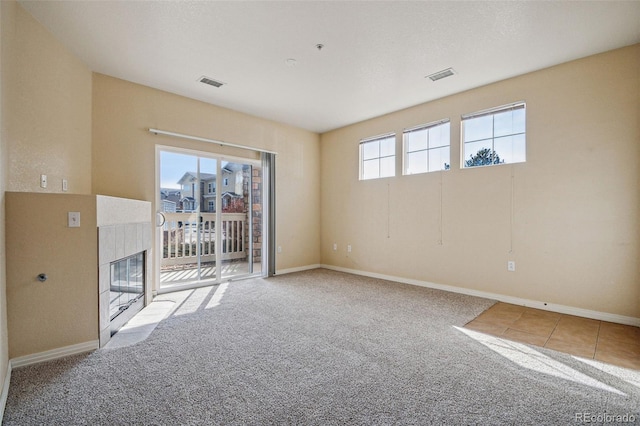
[(427, 127), (363, 142), (492, 112)]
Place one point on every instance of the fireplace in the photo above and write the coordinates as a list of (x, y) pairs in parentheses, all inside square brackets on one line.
[(124, 257), (126, 290)]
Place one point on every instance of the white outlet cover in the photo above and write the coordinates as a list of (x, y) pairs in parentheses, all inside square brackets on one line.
[(74, 219)]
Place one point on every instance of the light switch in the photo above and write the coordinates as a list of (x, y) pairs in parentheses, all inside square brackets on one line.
[(74, 219)]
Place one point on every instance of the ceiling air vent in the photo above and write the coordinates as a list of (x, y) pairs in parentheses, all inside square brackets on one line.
[(441, 74), (210, 81)]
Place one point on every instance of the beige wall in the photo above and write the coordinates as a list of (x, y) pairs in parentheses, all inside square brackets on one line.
[(63, 310), (4, 335), (124, 162), (49, 122), (568, 216), (47, 102), (570, 220), (46, 129)]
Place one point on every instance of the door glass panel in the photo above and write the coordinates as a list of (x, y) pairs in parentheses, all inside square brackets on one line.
[(241, 204), (207, 218), (213, 219), (179, 196)]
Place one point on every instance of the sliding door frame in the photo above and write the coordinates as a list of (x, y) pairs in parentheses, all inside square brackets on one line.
[(267, 235)]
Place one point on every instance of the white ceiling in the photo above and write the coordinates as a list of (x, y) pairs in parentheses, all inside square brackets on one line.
[(374, 61)]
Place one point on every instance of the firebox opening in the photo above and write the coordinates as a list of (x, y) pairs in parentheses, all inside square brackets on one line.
[(126, 289)]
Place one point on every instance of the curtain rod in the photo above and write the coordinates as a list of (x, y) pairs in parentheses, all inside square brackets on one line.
[(197, 138)]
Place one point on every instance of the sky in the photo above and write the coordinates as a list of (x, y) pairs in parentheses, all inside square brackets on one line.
[(174, 165)]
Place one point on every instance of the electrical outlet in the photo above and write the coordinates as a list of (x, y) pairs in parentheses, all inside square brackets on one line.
[(511, 266), (349, 248), (335, 246), (43, 181), (279, 249), (65, 185)]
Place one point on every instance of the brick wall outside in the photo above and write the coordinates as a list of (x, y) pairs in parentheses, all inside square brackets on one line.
[(256, 208)]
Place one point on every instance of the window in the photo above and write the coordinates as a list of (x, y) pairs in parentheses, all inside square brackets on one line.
[(211, 188), (225, 181), (378, 157), (426, 148), (495, 136), (212, 206)]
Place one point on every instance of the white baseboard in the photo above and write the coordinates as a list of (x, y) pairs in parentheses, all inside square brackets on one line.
[(297, 269), (5, 391), (54, 354), (562, 309)]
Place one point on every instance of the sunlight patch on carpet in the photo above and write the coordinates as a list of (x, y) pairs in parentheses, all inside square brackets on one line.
[(194, 301), (531, 359), (630, 376), (217, 296), (141, 325)]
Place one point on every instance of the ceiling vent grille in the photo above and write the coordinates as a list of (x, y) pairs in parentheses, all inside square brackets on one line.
[(210, 81), (441, 74)]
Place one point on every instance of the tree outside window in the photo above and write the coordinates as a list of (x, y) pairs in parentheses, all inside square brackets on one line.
[(496, 136)]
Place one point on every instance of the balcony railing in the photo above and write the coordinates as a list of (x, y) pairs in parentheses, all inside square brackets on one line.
[(182, 232)]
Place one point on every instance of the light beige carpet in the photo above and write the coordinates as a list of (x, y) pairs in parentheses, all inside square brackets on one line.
[(319, 347)]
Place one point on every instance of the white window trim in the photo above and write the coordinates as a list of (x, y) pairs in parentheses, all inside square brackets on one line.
[(372, 139), (488, 111), (426, 126), (418, 128)]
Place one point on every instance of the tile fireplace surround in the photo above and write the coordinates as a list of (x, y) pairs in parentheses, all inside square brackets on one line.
[(124, 229)]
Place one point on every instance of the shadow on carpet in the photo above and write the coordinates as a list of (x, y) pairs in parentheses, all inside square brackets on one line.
[(319, 347)]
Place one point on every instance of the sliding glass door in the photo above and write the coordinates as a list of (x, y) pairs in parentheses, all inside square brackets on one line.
[(241, 219), (210, 218)]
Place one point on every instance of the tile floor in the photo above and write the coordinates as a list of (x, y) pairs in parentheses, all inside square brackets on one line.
[(587, 338)]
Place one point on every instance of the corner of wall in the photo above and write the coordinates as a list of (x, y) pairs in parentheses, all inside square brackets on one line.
[(5, 367)]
